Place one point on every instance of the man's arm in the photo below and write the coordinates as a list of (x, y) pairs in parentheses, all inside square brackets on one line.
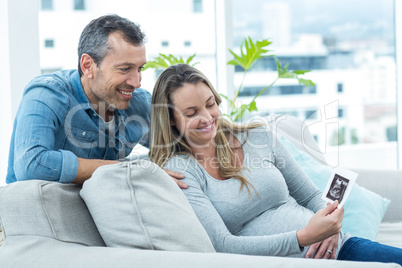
[(39, 118), (87, 166)]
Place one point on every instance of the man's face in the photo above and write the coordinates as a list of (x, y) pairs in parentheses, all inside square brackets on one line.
[(118, 75)]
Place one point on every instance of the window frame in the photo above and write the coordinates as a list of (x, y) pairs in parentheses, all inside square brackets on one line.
[(398, 63)]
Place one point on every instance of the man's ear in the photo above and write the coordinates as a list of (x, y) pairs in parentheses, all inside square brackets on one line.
[(88, 65)]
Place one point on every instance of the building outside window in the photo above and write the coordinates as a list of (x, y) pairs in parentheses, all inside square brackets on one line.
[(353, 67)]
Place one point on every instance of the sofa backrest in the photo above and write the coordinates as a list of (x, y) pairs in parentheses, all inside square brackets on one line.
[(297, 132), (47, 209), (388, 184)]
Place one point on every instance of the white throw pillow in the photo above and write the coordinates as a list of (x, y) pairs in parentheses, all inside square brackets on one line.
[(137, 204)]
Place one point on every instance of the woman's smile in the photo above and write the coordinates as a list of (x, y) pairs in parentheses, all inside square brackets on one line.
[(207, 128)]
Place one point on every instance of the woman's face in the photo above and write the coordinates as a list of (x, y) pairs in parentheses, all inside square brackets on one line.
[(196, 114)]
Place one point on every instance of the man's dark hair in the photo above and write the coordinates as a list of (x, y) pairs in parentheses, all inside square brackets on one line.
[(94, 37)]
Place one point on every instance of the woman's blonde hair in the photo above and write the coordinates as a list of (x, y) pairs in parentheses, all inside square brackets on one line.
[(166, 141)]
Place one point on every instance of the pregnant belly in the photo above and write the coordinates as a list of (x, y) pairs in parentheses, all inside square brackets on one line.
[(288, 217)]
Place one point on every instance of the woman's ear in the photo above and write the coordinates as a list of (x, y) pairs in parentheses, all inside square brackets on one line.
[(87, 65)]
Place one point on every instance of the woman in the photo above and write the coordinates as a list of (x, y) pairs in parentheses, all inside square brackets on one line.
[(246, 189)]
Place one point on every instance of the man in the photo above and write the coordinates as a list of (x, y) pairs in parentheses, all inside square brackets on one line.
[(73, 121)]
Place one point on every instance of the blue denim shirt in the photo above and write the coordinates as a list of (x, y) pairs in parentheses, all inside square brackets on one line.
[(55, 124)]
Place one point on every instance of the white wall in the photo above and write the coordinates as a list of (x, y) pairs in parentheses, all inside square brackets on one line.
[(19, 54)]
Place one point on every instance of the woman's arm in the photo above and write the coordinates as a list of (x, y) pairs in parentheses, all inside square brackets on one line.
[(325, 223), (283, 244)]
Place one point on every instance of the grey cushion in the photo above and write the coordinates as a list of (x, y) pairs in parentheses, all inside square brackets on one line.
[(47, 209), (136, 204)]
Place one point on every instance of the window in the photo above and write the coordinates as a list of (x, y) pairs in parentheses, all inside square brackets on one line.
[(47, 4), (79, 4), (340, 87), (392, 133), (310, 114), (187, 43), (49, 43), (277, 90), (357, 45), (197, 6), (165, 43), (340, 113), (295, 63)]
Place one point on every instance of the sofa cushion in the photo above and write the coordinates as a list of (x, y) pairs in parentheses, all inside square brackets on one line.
[(48, 253), (364, 209), (136, 204), (48, 209)]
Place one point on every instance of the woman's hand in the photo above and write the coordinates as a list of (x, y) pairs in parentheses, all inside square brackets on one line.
[(325, 223), (324, 249), (176, 177)]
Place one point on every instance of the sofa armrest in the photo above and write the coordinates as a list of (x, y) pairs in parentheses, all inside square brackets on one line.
[(387, 183)]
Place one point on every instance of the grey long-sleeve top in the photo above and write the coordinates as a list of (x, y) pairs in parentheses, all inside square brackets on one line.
[(258, 224)]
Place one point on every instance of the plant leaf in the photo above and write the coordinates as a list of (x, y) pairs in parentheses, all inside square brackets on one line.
[(163, 61), (301, 71), (250, 52), (252, 106), (306, 82), (190, 59)]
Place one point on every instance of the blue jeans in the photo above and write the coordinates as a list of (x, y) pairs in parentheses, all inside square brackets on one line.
[(359, 249)]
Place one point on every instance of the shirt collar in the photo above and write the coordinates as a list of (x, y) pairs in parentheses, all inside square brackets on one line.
[(79, 91)]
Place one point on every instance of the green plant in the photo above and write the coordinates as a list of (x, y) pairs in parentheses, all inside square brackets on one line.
[(250, 53), (163, 61)]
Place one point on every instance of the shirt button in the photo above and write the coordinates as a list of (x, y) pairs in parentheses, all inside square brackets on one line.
[(84, 133)]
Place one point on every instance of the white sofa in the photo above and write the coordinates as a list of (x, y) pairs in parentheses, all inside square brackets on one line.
[(47, 224)]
